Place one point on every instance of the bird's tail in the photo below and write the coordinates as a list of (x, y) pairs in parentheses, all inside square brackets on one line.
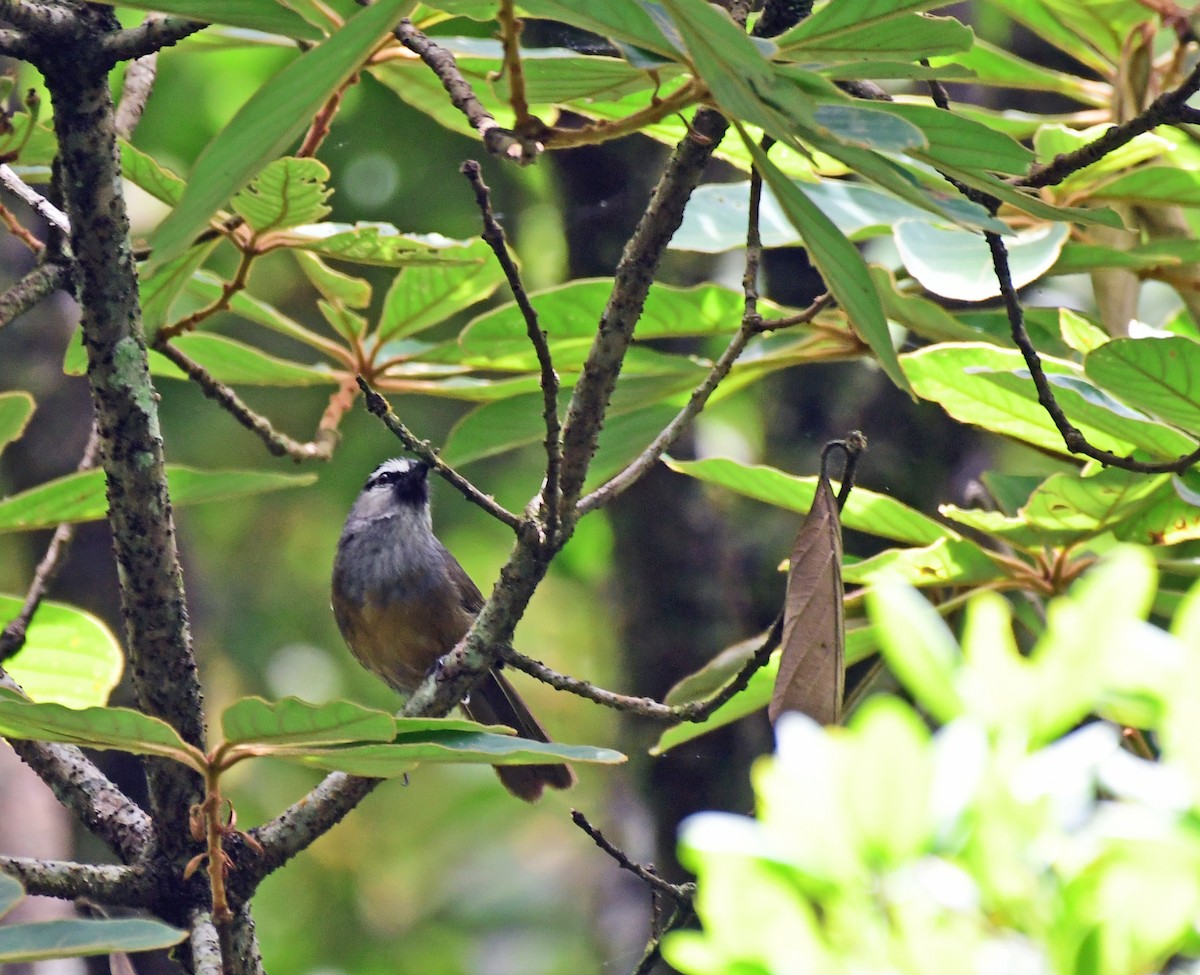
[(496, 701)]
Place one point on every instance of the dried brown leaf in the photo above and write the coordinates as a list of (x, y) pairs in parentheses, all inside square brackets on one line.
[(811, 665)]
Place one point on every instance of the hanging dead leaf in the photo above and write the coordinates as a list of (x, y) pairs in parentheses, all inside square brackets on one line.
[(811, 663)]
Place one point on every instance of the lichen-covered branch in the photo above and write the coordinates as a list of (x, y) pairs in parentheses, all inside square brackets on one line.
[(103, 882), (42, 281)]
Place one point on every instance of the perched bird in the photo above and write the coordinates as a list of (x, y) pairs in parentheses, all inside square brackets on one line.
[(402, 600)]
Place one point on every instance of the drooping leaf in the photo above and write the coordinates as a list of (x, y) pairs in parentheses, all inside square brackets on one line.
[(908, 36), (80, 496), (812, 650), (233, 362), (273, 117), (333, 285), (144, 171), (422, 296), (297, 724), (163, 286), (15, 411), (70, 657)]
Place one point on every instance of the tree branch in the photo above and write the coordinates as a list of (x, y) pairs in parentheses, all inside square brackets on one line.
[(103, 882), (498, 141), (43, 280), (682, 894), (277, 444), (18, 187), (149, 37), (152, 594), (380, 407), (135, 92), (493, 233), (632, 280)]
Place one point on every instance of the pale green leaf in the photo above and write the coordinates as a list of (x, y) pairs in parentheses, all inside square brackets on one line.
[(15, 411), (289, 192), (76, 937)]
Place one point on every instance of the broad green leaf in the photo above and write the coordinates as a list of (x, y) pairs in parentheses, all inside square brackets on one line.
[(264, 127), (958, 265), (70, 657), (157, 293), (572, 311), (1080, 333), (1078, 257), (1029, 203), (906, 37), (1055, 139), (717, 215), (120, 729), (953, 140), (399, 757), (423, 296), (996, 66), (349, 325), (1153, 184), (920, 315), (617, 20), (297, 724), (380, 244), (289, 192), (517, 422), (1043, 22), (207, 287), (145, 172), (1158, 375), (839, 262), (15, 411), (80, 496), (946, 562), (865, 511), (918, 647), (11, 893), (77, 937), (264, 15), (991, 388), (1068, 508), (333, 285), (832, 23)]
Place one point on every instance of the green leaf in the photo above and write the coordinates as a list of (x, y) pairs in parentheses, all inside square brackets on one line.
[(839, 262), (77, 937), (616, 20), (144, 171), (80, 496), (832, 25), (290, 192), (120, 729), (990, 387), (265, 15), (333, 285), (996, 66), (918, 647), (421, 297), (273, 117), (958, 265), (381, 244), (865, 511), (1158, 375), (294, 723), (15, 411), (233, 362), (1153, 184), (11, 893), (70, 657), (208, 287), (907, 37), (399, 757), (946, 562), (957, 141), (157, 293)]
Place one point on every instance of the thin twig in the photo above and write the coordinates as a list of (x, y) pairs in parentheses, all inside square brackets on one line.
[(751, 327), (693, 711), (498, 141), (13, 636), (510, 36), (135, 91), (380, 407), (650, 958), (278, 444), (18, 187), (680, 893), (493, 233), (22, 233)]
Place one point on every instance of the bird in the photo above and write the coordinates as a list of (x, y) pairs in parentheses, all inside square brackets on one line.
[(402, 601)]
